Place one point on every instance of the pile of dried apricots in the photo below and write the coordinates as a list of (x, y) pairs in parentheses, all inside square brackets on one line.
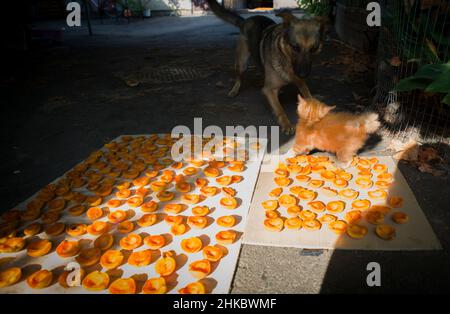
[(300, 181), (139, 173)]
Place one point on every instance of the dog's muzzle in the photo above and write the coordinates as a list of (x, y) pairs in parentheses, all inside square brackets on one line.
[(302, 66)]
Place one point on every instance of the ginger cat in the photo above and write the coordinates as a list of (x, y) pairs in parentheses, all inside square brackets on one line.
[(341, 133)]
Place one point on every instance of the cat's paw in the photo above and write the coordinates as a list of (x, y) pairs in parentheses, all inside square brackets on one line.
[(301, 150), (344, 164)]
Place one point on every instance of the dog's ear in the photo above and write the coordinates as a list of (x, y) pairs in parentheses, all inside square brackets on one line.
[(323, 22), (287, 17)]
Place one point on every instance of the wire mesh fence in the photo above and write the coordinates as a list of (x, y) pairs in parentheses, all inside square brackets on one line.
[(413, 33)]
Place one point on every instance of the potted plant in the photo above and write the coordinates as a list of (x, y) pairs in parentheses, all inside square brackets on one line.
[(145, 5), (136, 8)]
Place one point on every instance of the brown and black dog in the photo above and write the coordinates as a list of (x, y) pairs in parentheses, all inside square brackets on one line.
[(283, 51)]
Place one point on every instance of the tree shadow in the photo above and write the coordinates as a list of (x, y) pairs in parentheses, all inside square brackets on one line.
[(402, 270)]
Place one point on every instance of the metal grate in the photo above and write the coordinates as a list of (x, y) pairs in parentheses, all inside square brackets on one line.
[(164, 74), (170, 74), (410, 36)]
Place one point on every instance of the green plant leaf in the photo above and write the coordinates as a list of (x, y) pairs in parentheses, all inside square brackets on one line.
[(441, 84), (446, 100), (432, 71), (412, 83)]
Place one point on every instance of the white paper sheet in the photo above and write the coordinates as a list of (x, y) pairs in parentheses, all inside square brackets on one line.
[(417, 234), (219, 281)]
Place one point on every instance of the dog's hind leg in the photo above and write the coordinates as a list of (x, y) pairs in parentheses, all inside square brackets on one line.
[(242, 60), (272, 96)]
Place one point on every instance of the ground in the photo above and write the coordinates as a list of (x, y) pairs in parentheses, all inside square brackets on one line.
[(63, 102)]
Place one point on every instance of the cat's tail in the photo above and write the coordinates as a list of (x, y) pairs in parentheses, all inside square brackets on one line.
[(370, 122)]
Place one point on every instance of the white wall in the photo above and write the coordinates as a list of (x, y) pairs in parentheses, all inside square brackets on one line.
[(278, 4), (186, 4), (170, 4)]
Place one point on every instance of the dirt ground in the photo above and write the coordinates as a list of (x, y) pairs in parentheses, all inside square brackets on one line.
[(63, 102)]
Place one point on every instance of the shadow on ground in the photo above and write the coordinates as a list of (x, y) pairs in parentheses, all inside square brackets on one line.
[(401, 271)]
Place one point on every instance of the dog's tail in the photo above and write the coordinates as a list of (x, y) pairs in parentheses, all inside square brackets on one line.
[(226, 15), (370, 122)]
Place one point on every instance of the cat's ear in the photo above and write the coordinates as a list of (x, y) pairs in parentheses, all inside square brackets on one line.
[(301, 106), (326, 110), (301, 100)]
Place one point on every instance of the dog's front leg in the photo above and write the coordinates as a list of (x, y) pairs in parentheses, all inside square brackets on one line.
[(283, 120), (301, 85)]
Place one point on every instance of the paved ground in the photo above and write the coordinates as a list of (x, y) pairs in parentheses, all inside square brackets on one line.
[(63, 102)]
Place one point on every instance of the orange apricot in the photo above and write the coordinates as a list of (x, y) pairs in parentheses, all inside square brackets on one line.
[(88, 257), (226, 221), (94, 213), (338, 227), (191, 245), (361, 205), (349, 194), (125, 226), (400, 218), (131, 241), (155, 242), (317, 206), (274, 224), (135, 201), (193, 288), (173, 208), (111, 259), (140, 258), (155, 286), (336, 207), (312, 225), (293, 223), (104, 242), (197, 222), (327, 219), (96, 281), (356, 231), (123, 286), (117, 216), (147, 220), (396, 202), (200, 269), (149, 207), (166, 265), (165, 196), (40, 279), (226, 237), (212, 253), (229, 202), (178, 229), (97, 228), (67, 248), (209, 190)]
